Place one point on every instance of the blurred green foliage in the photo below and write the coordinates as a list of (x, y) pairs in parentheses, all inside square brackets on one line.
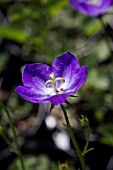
[(41, 162)]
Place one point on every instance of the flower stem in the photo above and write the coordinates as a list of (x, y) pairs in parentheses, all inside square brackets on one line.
[(73, 139), (7, 141), (87, 141), (14, 135)]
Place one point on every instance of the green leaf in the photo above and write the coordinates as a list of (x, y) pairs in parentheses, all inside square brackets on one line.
[(57, 7), (13, 34)]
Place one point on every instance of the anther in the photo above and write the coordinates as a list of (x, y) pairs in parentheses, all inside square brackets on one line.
[(61, 89)]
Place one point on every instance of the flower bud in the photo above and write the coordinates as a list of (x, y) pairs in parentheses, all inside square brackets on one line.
[(63, 166), (84, 122)]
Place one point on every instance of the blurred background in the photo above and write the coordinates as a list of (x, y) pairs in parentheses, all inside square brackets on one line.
[(38, 31)]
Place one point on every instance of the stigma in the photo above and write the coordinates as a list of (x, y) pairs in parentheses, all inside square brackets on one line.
[(52, 82)]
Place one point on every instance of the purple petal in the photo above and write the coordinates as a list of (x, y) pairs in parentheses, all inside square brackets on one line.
[(65, 66), (78, 80), (35, 75), (94, 10), (89, 9), (31, 95), (59, 98)]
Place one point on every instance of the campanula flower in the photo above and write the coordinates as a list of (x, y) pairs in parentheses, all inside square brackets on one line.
[(42, 83), (91, 7)]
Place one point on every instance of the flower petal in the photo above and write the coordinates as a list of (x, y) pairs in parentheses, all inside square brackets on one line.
[(59, 98), (78, 80), (94, 10), (89, 9), (30, 95), (35, 75), (65, 66)]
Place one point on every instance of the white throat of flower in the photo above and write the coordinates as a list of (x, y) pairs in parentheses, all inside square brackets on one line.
[(94, 2), (54, 82)]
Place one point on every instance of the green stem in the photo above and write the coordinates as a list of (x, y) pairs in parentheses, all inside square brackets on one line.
[(15, 136), (7, 141), (73, 139), (87, 141)]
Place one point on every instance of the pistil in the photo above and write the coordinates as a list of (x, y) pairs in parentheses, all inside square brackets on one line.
[(53, 81)]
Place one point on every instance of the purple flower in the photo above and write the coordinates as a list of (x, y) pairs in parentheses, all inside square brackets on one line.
[(54, 84), (91, 7)]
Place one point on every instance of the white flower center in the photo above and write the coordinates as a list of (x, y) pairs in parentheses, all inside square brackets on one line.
[(52, 83), (94, 2)]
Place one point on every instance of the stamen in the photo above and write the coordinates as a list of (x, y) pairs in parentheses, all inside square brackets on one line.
[(61, 89)]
